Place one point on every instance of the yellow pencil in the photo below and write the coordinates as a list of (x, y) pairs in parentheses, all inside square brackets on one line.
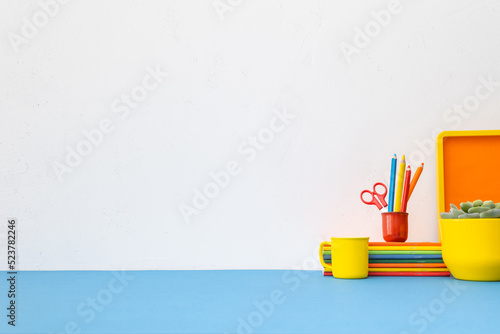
[(399, 190)]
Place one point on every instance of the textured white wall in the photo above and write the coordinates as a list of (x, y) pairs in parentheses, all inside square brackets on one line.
[(332, 88)]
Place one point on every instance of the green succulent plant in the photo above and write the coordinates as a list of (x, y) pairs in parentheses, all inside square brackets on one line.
[(476, 209)]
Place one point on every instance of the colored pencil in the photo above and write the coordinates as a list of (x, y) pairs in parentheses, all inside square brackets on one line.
[(399, 191), (415, 179), (392, 184), (406, 188)]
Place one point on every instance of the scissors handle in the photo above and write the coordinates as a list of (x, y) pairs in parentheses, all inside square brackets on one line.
[(381, 197), (373, 201)]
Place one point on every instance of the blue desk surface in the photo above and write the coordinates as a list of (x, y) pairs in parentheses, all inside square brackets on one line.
[(246, 301)]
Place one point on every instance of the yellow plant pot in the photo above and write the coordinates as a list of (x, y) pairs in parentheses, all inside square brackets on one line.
[(471, 248)]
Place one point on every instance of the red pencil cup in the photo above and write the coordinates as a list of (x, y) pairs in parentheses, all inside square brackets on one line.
[(395, 226)]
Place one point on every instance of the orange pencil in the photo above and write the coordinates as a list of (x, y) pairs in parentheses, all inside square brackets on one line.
[(406, 188), (415, 179)]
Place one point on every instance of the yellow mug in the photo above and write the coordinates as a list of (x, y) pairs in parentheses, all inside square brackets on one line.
[(349, 257)]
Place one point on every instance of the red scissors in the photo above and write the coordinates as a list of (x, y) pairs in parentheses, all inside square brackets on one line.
[(376, 196)]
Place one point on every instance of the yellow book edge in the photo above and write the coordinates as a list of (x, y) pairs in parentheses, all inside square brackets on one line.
[(395, 248)]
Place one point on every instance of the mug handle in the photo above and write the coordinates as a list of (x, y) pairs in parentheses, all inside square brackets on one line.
[(321, 246)]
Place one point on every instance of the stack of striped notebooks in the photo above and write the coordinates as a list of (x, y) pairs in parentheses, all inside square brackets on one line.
[(400, 259)]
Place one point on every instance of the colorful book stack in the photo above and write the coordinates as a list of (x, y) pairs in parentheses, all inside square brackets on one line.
[(400, 259)]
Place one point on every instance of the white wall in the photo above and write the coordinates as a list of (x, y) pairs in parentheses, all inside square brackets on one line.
[(231, 65)]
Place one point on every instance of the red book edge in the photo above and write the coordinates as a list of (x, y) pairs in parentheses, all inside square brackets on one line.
[(403, 273)]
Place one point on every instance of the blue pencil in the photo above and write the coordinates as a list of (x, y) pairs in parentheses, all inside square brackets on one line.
[(392, 185)]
